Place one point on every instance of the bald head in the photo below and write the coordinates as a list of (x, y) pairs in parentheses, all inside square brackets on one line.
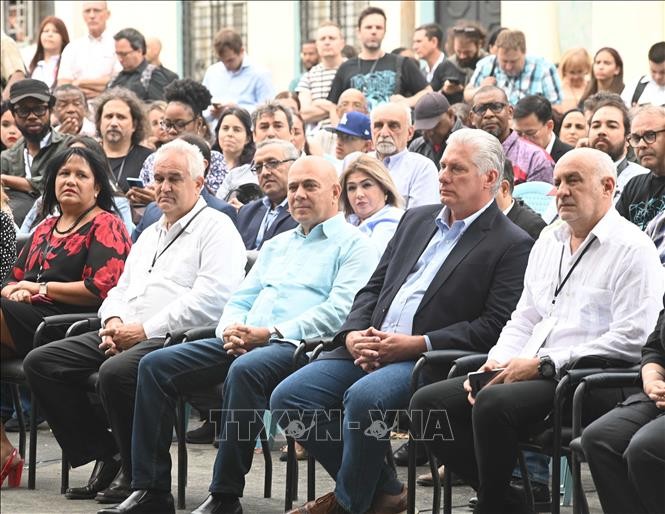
[(153, 49), (351, 100), (585, 180), (313, 191)]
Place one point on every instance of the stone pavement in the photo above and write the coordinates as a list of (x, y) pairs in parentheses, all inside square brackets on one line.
[(46, 498)]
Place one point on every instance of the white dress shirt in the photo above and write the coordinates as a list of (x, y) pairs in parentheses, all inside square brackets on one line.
[(608, 306), (89, 58), (190, 282)]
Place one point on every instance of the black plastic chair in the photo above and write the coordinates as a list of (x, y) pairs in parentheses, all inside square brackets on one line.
[(11, 372)]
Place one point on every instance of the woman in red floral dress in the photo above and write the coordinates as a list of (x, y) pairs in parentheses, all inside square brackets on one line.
[(69, 263)]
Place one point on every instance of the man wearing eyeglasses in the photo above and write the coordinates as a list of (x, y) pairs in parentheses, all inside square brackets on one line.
[(492, 113), (146, 80), (643, 198), (266, 217), (24, 164)]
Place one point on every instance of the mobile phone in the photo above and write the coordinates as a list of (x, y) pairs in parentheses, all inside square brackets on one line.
[(479, 379), (134, 182)]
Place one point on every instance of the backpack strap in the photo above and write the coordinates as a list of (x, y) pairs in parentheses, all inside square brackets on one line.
[(638, 91)]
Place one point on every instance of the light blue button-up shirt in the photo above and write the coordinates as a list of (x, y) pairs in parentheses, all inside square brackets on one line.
[(399, 318), (304, 285)]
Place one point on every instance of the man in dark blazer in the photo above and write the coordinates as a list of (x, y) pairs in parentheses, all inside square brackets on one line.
[(533, 120), (266, 217), (517, 211), (449, 278)]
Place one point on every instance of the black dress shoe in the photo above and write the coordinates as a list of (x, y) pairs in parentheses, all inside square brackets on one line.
[(102, 475), (219, 504), (118, 491), (205, 434), (144, 501), (541, 492), (401, 455)]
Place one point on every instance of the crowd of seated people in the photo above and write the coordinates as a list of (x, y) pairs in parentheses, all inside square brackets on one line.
[(382, 204)]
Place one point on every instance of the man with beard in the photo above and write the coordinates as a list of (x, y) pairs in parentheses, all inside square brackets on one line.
[(414, 175), (120, 124), (23, 164), (643, 198), (609, 126), (437, 121), (492, 113)]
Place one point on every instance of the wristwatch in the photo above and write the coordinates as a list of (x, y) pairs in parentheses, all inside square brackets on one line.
[(43, 288), (546, 367), (275, 334)]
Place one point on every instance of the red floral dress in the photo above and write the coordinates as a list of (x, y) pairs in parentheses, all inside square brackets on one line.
[(95, 254)]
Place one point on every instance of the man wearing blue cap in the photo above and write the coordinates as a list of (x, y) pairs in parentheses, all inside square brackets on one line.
[(353, 134)]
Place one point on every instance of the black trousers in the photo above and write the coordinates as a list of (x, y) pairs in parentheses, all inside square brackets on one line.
[(625, 450), (480, 443), (58, 374)]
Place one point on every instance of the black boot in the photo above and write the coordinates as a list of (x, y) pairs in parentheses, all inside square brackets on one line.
[(102, 475)]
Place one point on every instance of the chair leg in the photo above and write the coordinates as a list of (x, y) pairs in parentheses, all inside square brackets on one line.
[(291, 492), (526, 482), (311, 478), (267, 459), (181, 429), (64, 474), (411, 475), (555, 505), (18, 407), (447, 492), (566, 481), (436, 493), (580, 505), (32, 462)]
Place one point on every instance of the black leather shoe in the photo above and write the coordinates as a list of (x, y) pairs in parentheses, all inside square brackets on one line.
[(541, 492), (102, 475), (118, 491), (205, 434), (144, 501), (401, 455), (217, 504)]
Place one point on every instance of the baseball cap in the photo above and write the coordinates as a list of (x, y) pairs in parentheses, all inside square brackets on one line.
[(353, 124), (428, 110), (29, 88)]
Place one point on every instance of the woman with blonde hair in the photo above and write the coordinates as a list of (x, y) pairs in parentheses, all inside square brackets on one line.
[(574, 70), (370, 199)]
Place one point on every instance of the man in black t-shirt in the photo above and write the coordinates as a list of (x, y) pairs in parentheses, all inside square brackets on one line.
[(643, 197), (381, 77)]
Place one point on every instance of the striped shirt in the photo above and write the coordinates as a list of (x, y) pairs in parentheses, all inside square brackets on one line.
[(317, 81), (538, 77)]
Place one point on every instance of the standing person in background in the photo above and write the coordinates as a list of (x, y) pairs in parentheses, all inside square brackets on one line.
[(153, 47), (11, 64), (309, 57), (574, 69), (427, 41), (89, 62), (649, 89), (606, 74), (52, 40)]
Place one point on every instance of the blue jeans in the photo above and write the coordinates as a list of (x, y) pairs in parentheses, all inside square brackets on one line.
[(337, 439), (7, 403), (248, 382)]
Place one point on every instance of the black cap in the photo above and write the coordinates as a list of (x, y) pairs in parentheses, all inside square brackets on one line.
[(29, 88), (428, 110)]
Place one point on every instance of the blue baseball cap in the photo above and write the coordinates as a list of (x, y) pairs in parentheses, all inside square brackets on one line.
[(354, 124)]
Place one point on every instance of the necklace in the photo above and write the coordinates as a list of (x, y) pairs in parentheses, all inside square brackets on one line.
[(73, 225)]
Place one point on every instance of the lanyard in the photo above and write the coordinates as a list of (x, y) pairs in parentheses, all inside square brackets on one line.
[(560, 285), (157, 256)]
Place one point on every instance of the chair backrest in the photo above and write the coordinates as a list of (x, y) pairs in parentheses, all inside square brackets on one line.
[(535, 195)]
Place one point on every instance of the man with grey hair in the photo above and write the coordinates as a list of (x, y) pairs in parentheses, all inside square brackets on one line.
[(413, 174), (173, 278), (300, 287), (568, 311), (449, 278)]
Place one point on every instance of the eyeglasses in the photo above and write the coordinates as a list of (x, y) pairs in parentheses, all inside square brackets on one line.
[(495, 107), (24, 112), (649, 137), (270, 165), (179, 125)]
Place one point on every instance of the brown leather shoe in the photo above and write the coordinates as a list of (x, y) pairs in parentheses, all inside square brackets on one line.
[(326, 504), (389, 503)]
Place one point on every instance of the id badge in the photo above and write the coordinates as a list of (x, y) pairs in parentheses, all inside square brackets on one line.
[(540, 333)]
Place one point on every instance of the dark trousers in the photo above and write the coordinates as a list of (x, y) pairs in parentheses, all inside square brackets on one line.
[(625, 450), (58, 375), (248, 383), (480, 443)]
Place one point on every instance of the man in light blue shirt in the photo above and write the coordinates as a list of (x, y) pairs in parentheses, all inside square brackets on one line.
[(234, 80), (301, 287)]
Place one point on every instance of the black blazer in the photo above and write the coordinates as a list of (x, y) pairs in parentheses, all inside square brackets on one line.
[(559, 148), (249, 223), (472, 295), (526, 218)]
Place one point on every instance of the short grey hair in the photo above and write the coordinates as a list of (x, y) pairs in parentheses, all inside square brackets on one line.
[(193, 156), (656, 110), (406, 108), (288, 149), (487, 152)]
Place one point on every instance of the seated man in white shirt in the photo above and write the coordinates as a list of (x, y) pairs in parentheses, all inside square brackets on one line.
[(593, 288), (173, 279)]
